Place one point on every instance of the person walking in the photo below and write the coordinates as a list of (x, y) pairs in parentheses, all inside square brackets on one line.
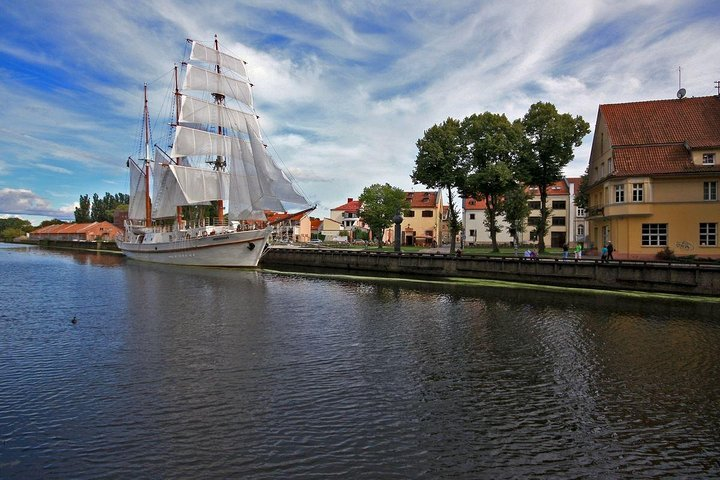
[(604, 254), (610, 250), (578, 251), (566, 251)]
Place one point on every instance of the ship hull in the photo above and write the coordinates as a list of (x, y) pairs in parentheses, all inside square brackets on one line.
[(235, 249)]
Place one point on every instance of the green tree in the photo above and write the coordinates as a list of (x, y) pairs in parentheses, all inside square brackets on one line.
[(47, 223), (549, 141), (582, 199), (491, 146), (16, 223), (82, 212), (380, 204), (439, 165), (8, 234), (517, 210)]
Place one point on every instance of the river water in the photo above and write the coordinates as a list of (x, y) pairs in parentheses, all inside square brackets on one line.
[(172, 372)]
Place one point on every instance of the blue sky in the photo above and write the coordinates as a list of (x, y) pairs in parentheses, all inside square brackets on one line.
[(344, 89)]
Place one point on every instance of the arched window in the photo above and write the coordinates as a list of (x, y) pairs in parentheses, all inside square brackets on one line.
[(581, 230)]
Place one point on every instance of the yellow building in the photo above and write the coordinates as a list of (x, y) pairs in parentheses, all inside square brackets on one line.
[(422, 222), (653, 178)]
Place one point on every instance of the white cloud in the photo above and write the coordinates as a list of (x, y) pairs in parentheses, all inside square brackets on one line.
[(26, 202)]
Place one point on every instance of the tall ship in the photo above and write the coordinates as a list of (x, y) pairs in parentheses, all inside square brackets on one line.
[(203, 203)]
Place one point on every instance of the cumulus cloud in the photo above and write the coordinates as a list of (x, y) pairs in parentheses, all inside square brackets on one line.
[(26, 202)]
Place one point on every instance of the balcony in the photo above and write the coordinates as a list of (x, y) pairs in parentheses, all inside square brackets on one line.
[(620, 210)]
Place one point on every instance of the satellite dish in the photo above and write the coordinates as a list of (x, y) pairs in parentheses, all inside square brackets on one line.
[(681, 93)]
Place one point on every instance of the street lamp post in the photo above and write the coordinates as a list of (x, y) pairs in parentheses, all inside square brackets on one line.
[(397, 219)]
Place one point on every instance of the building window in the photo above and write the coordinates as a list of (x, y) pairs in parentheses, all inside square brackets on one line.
[(471, 202), (410, 213), (708, 234), (558, 204), (637, 192), (654, 234), (534, 221), (427, 213), (580, 231), (708, 159), (534, 205), (619, 193), (581, 212), (472, 216), (472, 232), (709, 190), (558, 221), (429, 233)]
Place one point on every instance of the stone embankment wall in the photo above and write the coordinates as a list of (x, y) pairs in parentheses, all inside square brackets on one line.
[(73, 245), (661, 277)]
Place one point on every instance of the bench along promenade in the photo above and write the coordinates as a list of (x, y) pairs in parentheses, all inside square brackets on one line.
[(649, 276)]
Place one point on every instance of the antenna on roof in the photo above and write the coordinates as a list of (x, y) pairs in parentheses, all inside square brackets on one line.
[(717, 85), (681, 91)]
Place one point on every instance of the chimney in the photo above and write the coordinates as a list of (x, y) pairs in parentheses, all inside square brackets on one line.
[(349, 200)]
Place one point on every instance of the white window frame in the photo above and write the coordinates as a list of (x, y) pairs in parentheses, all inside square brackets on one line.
[(708, 159), (619, 193), (654, 234), (708, 234), (710, 191), (638, 192)]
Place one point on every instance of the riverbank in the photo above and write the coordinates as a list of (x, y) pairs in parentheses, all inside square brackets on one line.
[(645, 276), (658, 277)]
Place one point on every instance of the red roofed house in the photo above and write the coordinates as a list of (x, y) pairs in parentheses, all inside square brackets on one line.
[(422, 222), (290, 227), (560, 197), (348, 216), (653, 178), (79, 232)]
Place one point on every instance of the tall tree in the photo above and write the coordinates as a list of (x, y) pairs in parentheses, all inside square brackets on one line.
[(491, 146), (438, 165), (550, 138), (517, 210), (82, 212), (380, 204)]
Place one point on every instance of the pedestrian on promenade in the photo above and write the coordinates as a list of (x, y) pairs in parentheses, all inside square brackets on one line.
[(610, 250), (604, 254), (566, 251), (578, 251)]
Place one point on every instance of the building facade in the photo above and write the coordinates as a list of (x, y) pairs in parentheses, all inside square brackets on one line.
[(653, 178), (78, 232)]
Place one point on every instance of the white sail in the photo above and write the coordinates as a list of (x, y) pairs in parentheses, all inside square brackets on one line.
[(274, 183), (214, 57), (244, 188), (197, 78), (193, 110), (199, 185), (190, 141), (167, 194), (138, 189)]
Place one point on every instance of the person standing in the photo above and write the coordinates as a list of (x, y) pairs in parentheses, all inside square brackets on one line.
[(566, 251), (578, 251), (604, 254), (610, 250)]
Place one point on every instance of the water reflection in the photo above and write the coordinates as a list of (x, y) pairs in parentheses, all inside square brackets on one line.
[(192, 372)]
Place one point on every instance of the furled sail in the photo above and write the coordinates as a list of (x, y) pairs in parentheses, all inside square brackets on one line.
[(138, 190)]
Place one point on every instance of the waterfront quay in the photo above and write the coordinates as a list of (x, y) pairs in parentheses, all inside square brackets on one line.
[(657, 277)]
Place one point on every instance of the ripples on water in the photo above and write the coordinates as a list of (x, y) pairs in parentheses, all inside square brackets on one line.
[(198, 373)]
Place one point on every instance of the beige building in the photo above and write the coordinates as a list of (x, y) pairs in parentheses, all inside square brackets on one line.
[(422, 222), (653, 178)]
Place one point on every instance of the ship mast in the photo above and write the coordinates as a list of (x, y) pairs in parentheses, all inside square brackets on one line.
[(148, 207), (219, 161), (178, 208)]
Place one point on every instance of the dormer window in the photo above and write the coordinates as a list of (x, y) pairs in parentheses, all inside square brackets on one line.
[(708, 159)]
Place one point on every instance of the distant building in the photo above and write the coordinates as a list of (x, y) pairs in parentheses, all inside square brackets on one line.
[(422, 221), (80, 232), (290, 227), (653, 178)]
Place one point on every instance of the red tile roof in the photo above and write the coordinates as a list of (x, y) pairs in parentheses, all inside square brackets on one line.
[(656, 137), (692, 120), (421, 199), (352, 206)]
